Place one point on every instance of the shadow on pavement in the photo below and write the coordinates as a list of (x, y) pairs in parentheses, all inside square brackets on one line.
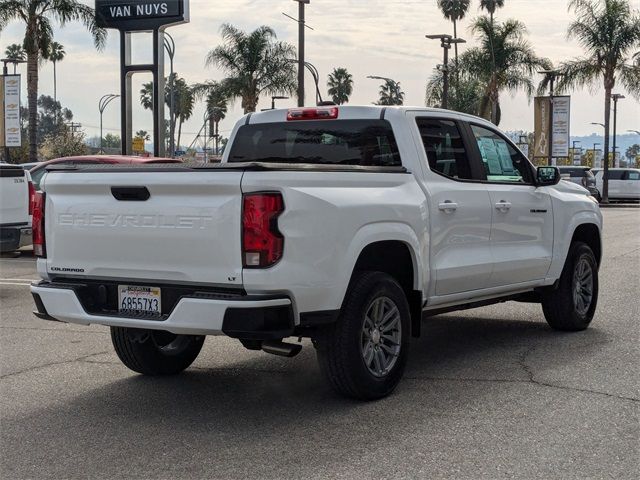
[(217, 418)]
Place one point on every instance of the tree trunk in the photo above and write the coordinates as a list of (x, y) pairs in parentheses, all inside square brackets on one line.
[(607, 124), (32, 90), (179, 133), (55, 83), (455, 35)]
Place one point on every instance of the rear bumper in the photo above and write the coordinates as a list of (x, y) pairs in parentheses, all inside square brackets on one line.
[(245, 317), (13, 237)]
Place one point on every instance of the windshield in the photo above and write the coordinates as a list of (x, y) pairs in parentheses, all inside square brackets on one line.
[(325, 142)]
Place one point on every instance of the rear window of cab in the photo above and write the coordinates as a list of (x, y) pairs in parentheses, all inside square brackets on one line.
[(318, 142)]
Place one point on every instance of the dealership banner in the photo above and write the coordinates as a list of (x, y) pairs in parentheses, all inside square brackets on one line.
[(542, 127), (561, 127), (10, 124)]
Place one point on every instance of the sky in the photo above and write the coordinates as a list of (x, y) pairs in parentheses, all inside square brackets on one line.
[(368, 37)]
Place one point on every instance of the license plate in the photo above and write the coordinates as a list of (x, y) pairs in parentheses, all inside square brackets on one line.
[(139, 300)]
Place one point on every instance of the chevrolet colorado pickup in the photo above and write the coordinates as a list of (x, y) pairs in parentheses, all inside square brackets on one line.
[(346, 225)]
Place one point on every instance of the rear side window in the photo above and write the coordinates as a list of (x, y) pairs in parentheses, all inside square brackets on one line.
[(444, 148), (324, 142), (635, 176)]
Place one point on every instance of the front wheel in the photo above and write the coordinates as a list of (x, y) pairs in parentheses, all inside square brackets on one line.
[(363, 355), (151, 352), (572, 306)]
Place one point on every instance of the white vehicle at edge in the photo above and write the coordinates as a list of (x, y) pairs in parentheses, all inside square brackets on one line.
[(341, 224), (15, 216)]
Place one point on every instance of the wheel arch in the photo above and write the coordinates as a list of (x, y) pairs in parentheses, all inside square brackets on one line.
[(398, 259)]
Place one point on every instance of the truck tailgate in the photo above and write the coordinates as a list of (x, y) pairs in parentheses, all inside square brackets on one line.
[(102, 225), (14, 196)]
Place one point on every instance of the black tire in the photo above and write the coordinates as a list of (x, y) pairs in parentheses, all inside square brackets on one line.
[(341, 347), (155, 352), (561, 307)]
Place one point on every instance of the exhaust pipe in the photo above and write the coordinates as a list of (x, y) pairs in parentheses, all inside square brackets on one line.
[(281, 349)]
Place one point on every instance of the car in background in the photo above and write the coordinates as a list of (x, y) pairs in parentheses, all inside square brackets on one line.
[(16, 191), (624, 183), (582, 176), (38, 172)]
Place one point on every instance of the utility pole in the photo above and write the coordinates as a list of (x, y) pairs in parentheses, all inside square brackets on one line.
[(301, 62), (615, 97), (445, 42)]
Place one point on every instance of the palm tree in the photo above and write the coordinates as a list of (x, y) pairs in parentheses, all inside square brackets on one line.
[(454, 10), (340, 85), (609, 32), (217, 99), (54, 54), (465, 94), (146, 96), (38, 16), (513, 68), (255, 63), (15, 52), (391, 93), (143, 134), (491, 6), (184, 100)]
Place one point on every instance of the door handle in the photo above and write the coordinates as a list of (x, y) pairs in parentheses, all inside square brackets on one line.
[(503, 206), (448, 206)]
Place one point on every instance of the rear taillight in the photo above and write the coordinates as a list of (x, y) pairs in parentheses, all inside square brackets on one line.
[(312, 114), (32, 192), (262, 243), (39, 247)]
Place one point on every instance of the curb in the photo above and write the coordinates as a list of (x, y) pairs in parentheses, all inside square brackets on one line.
[(621, 205)]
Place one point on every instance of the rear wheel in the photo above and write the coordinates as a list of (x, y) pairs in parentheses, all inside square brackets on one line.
[(363, 355), (572, 306), (151, 352)]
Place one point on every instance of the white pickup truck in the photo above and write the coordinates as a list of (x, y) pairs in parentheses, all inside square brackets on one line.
[(345, 225), (16, 190)]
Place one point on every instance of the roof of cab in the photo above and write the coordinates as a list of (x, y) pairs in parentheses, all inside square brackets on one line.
[(352, 112)]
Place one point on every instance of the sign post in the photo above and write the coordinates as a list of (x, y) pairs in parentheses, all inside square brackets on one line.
[(552, 127), (130, 16)]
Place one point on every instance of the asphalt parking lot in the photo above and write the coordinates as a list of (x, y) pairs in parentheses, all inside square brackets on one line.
[(489, 393)]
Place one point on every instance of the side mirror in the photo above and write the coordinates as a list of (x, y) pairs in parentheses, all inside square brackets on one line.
[(548, 176)]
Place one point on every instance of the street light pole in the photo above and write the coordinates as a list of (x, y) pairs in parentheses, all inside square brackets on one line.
[(170, 47), (615, 97), (277, 97), (445, 42), (102, 105), (301, 63)]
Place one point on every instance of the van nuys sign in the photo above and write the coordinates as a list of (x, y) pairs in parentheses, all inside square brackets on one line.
[(132, 15)]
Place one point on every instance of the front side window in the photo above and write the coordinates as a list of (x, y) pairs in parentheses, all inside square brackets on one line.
[(323, 142), (444, 148), (501, 161)]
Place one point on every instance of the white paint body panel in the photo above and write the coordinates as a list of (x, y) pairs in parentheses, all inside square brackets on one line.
[(470, 254)]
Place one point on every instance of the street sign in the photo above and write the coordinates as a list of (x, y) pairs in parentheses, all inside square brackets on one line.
[(561, 126), (138, 145), (10, 133), (131, 16)]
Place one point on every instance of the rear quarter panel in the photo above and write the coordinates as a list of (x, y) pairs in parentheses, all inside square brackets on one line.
[(329, 218)]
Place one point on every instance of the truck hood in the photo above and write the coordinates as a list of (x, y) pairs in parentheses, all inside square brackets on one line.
[(566, 186)]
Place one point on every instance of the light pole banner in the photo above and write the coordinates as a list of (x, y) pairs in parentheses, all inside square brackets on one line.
[(561, 126), (542, 127), (12, 137)]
